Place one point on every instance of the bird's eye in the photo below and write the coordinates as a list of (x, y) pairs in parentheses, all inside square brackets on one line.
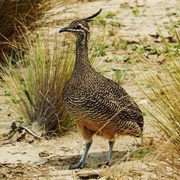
[(78, 26)]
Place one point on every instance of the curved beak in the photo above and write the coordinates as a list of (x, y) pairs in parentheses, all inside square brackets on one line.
[(65, 29)]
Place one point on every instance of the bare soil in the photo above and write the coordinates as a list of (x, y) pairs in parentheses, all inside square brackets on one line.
[(33, 158)]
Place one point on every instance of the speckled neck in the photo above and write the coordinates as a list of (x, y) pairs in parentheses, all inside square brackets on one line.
[(82, 53)]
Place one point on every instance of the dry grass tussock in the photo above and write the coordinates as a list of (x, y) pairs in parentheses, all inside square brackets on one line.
[(164, 97), (35, 85), (18, 17)]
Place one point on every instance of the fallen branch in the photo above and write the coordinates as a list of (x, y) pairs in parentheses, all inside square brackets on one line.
[(30, 132)]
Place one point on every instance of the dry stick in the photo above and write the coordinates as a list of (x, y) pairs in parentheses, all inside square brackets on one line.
[(30, 132)]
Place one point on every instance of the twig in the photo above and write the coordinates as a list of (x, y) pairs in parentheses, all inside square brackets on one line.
[(30, 132)]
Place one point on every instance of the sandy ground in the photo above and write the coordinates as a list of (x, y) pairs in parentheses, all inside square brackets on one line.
[(50, 159)]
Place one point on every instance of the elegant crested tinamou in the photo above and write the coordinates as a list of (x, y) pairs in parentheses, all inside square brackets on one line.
[(97, 104)]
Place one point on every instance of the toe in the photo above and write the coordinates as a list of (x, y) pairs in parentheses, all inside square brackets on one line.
[(76, 166), (107, 163)]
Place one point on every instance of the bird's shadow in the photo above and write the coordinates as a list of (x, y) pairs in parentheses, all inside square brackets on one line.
[(96, 160), (93, 160)]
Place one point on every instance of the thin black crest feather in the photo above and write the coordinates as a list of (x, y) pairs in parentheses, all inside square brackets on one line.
[(88, 19)]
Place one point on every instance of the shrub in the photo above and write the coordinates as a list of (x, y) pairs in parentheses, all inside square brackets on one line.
[(36, 83), (16, 17)]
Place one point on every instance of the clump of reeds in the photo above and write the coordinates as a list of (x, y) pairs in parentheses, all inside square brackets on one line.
[(36, 83), (166, 89), (165, 99), (16, 17)]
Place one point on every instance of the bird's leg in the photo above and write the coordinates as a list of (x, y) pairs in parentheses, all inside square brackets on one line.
[(111, 144), (81, 163)]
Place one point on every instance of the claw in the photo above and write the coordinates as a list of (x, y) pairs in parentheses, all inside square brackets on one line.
[(77, 165), (107, 163)]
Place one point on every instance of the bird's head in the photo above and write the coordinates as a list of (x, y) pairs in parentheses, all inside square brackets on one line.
[(80, 28)]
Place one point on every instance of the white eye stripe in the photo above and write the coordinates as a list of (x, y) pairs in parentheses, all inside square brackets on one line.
[(86, 29), (83, 27), (79, 30)]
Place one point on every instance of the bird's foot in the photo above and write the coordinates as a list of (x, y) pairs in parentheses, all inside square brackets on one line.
[(104, 164), (107, 163), (81, 163), (77, 165)]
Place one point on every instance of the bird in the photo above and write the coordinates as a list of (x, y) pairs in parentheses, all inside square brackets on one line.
[(98, 105)]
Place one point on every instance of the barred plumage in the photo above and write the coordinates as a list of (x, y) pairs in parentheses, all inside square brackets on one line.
[(97, 104)]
